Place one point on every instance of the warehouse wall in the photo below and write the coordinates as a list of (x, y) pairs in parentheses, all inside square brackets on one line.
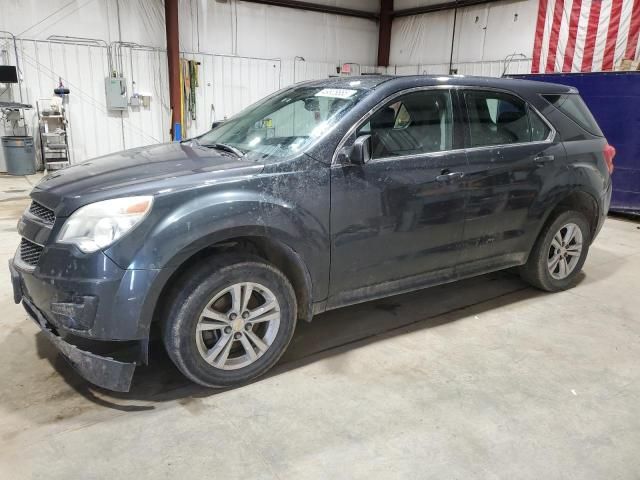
[(245, 51), (485, 35), (231, 27), (248, 29), (243, 54)]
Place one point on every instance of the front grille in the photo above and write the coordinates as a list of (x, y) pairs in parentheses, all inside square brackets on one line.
[(30, 252), (43, 213)]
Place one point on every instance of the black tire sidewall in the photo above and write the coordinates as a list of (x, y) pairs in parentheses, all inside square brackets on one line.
[(552, 284), (191, 299)]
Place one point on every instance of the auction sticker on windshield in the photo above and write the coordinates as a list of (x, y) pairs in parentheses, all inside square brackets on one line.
[(336, 93)]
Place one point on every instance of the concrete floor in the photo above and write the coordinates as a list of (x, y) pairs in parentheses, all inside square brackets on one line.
[(485, 378)]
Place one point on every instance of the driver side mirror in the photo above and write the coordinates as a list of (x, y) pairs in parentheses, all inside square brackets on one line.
[(360, 152), (216, 124)]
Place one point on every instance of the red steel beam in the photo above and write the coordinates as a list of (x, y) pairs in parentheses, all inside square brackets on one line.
[(173, 60), (384, 32)]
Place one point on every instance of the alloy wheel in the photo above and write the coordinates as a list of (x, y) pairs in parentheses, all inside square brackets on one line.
[(238, 325), (565, 251)]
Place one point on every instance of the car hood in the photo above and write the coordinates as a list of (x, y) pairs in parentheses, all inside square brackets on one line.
[(140, 171)]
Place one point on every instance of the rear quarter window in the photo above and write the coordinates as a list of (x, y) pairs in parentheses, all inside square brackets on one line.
[(572, 105)]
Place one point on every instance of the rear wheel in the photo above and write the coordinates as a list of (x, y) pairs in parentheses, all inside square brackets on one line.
[(230, 321), (559, 253)]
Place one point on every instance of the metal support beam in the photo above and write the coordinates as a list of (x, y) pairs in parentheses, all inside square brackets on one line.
[(453, 39), (314, 7), (173, 60), (438, 7), (384, 32)]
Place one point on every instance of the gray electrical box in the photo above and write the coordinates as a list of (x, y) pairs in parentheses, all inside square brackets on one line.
[(116, 92)]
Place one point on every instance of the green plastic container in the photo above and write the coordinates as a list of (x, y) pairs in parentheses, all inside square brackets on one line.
[(19, 155)]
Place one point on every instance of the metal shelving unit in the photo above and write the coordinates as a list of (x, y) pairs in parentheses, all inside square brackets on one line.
[(53, 129)]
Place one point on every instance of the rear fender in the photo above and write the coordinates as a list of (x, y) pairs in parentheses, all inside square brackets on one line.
[(556, 205)]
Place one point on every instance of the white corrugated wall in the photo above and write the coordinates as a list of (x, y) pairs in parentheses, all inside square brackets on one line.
[(235, 75), (227, 38)]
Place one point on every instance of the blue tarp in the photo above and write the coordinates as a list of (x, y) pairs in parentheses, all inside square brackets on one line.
[(614, 100)]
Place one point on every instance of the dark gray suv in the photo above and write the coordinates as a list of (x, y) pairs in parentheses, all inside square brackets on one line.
[(322, 195)]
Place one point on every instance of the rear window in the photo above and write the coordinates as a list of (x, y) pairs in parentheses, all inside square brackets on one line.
[(573, 106)]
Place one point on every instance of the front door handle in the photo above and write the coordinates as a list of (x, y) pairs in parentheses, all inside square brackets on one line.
[(447, 176), (543, 159)]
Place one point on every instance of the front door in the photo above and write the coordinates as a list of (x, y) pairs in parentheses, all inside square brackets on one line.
[(399, 217)]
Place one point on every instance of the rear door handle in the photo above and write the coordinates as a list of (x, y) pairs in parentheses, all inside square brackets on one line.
[(542, 159), (449, 177)]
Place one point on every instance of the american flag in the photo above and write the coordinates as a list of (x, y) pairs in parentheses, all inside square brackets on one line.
[(585, 35)]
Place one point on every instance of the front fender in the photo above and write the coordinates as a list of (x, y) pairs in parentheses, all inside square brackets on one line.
[(288, 203), (209, 219), (181, 226), (165, 274)]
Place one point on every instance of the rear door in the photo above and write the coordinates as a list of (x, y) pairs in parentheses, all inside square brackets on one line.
[(513, 158), (400, 216)]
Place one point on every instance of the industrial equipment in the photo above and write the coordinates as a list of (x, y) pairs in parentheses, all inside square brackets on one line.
[(53, 129)]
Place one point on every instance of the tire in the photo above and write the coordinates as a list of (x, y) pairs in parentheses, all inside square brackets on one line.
[(545, 276), (197, 288)]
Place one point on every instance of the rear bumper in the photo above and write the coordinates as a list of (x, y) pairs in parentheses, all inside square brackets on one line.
[(605, 203)]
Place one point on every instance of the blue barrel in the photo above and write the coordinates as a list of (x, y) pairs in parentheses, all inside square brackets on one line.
[(19, 155)]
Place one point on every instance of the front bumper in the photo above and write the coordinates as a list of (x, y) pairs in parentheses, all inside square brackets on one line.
[(103, 371), (88, 295), (41, 298)]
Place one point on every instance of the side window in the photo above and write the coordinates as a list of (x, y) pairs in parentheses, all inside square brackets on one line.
[(573, 106), (403, 118), (539, 130), (496, 119), (418, 122)]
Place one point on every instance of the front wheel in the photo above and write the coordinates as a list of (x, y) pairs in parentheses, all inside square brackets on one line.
[(230, 321), (559, 253)]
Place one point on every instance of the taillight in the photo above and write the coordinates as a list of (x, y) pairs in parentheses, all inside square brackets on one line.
[(609, 152)]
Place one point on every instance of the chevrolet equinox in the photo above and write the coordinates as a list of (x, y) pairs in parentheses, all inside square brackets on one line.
[(324, 194)]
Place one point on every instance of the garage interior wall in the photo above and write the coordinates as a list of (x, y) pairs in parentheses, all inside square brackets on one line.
[(496, 37), (485, 35), (246, 51)]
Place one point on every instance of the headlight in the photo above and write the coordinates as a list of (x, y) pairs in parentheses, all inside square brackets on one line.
[(99, 224)]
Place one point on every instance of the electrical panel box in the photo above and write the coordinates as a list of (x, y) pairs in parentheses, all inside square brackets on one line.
[(116, 92)]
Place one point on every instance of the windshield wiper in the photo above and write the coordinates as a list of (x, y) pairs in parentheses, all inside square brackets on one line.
[(225, 147)]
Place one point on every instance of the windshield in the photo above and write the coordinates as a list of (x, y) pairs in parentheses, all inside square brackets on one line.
[(284, 123)]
